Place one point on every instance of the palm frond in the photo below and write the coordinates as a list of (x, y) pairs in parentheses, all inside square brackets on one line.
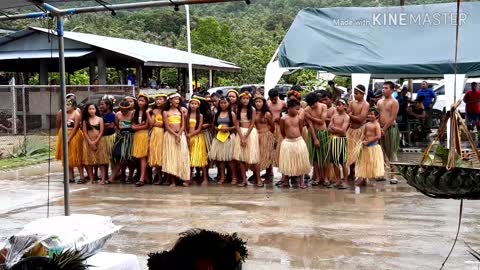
[(71, 259)]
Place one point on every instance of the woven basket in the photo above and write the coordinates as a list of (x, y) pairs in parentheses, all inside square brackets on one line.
[(450, 181)]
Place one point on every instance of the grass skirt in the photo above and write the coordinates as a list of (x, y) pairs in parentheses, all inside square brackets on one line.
[(370, 163), (339, 150), (355, 138), (250, 153), (97, 157), (75, 148), (207, 133), (156, 147), (176, 156), (305, 134), (391, 143), (293, 159), (278, 141), (222, 151), (122, 150), (266, 143), (140, 144), (198, 151), (319, 154), (109, 142)]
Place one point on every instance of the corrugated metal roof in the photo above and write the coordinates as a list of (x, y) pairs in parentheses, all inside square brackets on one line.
[(150, 54), (40, 54)]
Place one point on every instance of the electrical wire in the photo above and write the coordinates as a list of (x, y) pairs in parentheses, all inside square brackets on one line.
[(457, 30), (456, 237)]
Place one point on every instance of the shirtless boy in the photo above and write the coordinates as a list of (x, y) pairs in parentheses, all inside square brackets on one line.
[(318, 136), (338, 146), (277, 107), (293, 160), (371, 164), (390, 142), (357, 110)]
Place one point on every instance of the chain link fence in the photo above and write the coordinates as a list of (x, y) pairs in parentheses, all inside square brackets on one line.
[(28, 114)]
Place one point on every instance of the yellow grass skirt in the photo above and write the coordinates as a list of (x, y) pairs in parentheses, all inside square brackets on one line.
[(222, 151), (109, 142), (140, 144), (370, 163), (198, 151), (156, 147), (355, 138), (249, 153), (266, 143), (294, 159), (176, 156), (75, 148), (97, 157)]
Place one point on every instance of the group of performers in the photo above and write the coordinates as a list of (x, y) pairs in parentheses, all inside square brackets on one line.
[(173, 143)]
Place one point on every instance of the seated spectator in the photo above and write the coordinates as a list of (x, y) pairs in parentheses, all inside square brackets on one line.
[(416, 111)]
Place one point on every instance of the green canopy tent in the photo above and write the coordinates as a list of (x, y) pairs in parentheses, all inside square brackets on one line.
[(406, 41)]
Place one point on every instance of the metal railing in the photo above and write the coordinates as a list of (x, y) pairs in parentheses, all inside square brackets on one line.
[(28, 112)]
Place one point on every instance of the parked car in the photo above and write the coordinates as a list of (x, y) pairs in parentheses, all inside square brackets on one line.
[(417, 84), (95, 98), (221, 89), (283, 90)]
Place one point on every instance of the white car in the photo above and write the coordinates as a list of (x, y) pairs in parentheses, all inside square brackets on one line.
[(417, 84), (441, 103)]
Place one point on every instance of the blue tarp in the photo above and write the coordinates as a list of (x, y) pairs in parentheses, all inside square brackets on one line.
[(408, 41)]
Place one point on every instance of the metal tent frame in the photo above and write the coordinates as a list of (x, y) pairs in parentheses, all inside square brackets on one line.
[(50, 11)]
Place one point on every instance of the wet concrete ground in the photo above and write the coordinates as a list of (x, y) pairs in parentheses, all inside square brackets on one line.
[(386, 227)]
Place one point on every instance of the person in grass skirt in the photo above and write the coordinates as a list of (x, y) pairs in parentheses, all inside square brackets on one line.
[(122, 152), (176, 155), (156, 137), (75, 140), (140, 126), (94, 152), (221, 151), (196, 138)]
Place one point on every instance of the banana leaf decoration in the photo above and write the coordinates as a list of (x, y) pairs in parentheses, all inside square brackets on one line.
[(449, 178)]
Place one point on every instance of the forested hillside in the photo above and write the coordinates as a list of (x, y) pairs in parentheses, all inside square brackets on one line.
[(245, 35)]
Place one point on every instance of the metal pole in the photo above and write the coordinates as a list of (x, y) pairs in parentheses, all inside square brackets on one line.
[(24, 119), (63, 93), (51, 10), (210, 78), (14, 105), (189, 43)]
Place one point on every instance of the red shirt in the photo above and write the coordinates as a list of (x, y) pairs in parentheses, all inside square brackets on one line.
[(473, 99)]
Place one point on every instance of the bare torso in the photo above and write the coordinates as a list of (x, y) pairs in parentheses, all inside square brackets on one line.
[(388, 108), (244, 121), (370, 134), (330, 113), (262, 121), (319, 112), (358, 109), (276, 109), (339, 124), (292, 126)]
